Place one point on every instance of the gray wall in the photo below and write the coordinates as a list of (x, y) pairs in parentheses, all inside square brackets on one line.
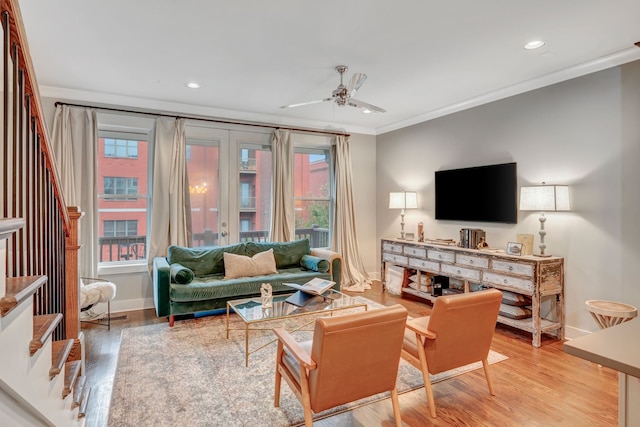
[(584, 132)]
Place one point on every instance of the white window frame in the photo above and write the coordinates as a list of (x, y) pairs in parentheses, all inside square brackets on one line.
[(112, 130)]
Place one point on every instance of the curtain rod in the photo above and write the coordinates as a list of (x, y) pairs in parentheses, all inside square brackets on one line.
[(205, 119)]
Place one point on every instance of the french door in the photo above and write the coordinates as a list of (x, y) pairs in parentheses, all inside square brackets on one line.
[(229, 175)]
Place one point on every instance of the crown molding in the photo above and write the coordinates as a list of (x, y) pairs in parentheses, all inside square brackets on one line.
[(618, 58)]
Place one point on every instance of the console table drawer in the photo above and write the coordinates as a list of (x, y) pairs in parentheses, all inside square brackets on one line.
[(419, 252), (392, 247), (508, 282), (472, 261), (513, 268), (440, 255), (465, 273), (398, 259), (425, 265)]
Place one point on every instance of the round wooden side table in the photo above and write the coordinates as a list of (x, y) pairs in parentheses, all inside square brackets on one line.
[(610, 313)]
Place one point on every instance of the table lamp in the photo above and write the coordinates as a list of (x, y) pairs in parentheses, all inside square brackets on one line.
[(403, 200), (544, 198)]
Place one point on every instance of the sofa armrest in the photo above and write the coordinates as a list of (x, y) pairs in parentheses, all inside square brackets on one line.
[(335, 263), (161, 286)]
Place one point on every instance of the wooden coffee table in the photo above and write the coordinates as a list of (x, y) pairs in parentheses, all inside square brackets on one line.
[(252, 312)]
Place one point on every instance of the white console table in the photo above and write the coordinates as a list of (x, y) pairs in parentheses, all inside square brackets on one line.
[(537, 277)]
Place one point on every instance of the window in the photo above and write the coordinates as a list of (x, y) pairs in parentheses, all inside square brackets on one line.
[(122, 148), (119, 185), (118, 228), (312, 190), (123, 173)]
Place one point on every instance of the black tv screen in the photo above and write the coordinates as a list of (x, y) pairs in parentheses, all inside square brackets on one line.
[(479, 194)]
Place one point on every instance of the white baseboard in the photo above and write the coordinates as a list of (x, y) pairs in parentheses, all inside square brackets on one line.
[(122, 306), (571, 333)]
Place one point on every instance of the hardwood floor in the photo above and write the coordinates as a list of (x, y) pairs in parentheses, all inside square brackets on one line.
[(534, 387)]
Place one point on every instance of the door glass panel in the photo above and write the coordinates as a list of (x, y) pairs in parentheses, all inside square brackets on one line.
[(203, 174), (254, 202)]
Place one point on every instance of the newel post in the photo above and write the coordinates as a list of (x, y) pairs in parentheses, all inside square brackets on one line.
[(72, 280)]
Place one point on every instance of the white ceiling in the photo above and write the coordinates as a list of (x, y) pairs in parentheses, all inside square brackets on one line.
[(423, 58)]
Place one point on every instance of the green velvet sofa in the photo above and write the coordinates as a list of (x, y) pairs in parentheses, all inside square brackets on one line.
[(192, 280)]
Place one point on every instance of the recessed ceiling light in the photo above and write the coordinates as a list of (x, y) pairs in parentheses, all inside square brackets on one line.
[(367, 111), (536, 44), (192, 85)]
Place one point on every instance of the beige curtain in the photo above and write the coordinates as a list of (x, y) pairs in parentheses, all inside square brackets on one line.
[(170, 214), (75, 145), (282, 205), (344, 239)]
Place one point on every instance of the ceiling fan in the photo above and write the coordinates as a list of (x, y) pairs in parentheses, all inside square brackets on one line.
[(343, 95)]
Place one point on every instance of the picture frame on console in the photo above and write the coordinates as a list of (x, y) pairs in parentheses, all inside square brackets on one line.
[(514, 248)]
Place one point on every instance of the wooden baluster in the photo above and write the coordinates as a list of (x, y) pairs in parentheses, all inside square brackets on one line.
[(14, 156), (5, 111)]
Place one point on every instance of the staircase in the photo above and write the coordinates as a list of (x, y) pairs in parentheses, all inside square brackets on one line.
[(42, 372), (39, 384)]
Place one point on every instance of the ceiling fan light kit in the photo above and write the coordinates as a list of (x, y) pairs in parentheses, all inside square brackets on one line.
[(343, 95)]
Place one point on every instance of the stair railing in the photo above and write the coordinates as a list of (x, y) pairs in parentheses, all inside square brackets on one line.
[(30, 186)]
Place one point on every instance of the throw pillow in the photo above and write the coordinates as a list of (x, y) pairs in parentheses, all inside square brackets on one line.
[(181, 274), (242, 266), (511, 298), (514, 312), (314, 263)]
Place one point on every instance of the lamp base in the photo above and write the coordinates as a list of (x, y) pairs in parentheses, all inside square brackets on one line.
[(542, 255)]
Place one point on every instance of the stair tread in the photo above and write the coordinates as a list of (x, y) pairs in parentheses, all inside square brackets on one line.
[(79, 391), (19, 289), (71, 371), (60, 351), (43, 327)]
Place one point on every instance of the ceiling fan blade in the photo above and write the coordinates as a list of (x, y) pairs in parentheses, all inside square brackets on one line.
[(356, 81), (365, 106), (301, 104)]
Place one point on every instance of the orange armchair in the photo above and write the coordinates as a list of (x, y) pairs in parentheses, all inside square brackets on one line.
[(350, 357), (458, 332)]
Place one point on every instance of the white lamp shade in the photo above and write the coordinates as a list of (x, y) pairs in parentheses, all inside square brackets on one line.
[(545, 198), (403, 200)]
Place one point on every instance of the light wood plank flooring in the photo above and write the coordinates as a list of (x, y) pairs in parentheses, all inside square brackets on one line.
[(534, 387)]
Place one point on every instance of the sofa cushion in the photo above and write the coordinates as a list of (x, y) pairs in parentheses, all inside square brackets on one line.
[(216, 287), (314, 263), (203, 261), (181, 274), (243, 266), (287, 254)]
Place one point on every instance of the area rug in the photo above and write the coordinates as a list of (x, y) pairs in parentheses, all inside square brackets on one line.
[(191, 375)]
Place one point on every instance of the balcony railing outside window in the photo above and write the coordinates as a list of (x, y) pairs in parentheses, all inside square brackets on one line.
[(133, 248)]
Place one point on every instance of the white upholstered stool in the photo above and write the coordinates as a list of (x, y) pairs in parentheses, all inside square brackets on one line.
[(610, 313)]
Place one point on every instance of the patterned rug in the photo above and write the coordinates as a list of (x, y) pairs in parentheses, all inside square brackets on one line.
[(191, 375)]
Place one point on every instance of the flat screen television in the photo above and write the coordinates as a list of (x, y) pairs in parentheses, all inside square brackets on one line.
[(479, 194)]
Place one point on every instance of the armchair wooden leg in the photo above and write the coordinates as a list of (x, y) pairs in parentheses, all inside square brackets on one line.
[(306, 397), (396, 407), (485, 365), (172, 319), (425, 376), (276, 395)]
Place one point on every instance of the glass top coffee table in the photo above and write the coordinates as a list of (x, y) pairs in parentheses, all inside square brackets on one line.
[(251, 311)]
